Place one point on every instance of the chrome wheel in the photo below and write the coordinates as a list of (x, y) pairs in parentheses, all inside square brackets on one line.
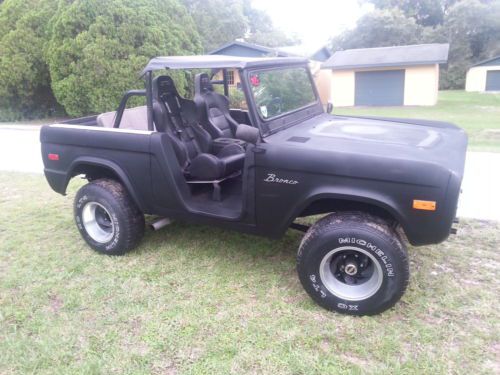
[(351, 273), (97, 222)]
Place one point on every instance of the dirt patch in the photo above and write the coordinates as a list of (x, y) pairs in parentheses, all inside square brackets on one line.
[(363, 363), (56, 303), (491, 133)]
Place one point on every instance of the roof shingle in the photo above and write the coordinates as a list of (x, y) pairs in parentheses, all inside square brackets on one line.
[(418, 54)]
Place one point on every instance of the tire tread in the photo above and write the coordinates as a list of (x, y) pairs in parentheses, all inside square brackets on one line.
[(133, 217), (363, 221)]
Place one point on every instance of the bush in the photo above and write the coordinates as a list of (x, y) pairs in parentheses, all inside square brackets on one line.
[(24, 78), (97, 49)]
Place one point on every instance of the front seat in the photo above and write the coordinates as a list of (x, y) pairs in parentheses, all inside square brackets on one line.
[(213, 109), (176, 116)]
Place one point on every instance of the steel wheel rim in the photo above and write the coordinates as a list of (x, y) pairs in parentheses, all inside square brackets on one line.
[(97, 222), (329, 270)]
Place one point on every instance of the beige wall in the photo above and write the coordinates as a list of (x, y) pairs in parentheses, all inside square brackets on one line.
[(342, 88), (476, 77), (421, 85)]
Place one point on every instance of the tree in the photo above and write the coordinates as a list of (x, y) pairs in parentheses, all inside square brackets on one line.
[(379, 28), (424, 12), (222, 21), (97, 49), (218, 21), (24, 77), (472, 28)]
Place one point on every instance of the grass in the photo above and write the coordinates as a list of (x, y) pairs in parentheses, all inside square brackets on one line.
[(197, 300), (477, 113)]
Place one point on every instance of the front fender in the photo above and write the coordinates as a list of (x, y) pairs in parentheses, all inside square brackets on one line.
[(379, 201), (420, 227)]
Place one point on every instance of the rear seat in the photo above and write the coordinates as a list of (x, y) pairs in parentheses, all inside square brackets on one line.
[(133, 118)]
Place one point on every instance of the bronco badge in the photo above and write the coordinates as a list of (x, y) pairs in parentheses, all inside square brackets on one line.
[(272, 178)]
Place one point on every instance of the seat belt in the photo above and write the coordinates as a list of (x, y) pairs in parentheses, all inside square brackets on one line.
[(187, 132), (169, 114), (185, 125)]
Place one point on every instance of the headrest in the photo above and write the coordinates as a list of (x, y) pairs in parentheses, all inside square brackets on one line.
[(202, 83), (164, 85)]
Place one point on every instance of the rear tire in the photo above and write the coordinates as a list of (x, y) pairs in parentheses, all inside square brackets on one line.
[(353, 263), (107, 218)]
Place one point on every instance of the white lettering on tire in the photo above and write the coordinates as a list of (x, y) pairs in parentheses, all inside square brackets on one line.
[(352, 240)]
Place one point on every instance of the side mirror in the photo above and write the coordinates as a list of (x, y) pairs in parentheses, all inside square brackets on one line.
[(329, 107), (247, 133)]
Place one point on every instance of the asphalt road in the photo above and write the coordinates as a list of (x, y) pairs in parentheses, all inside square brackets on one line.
[(20, 152)]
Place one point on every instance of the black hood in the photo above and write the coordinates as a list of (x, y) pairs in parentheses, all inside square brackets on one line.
[(420, 140)]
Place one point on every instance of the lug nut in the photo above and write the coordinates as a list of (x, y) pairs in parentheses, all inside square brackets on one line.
[(351, 269)]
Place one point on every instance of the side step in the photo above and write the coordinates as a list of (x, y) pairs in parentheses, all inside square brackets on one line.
[(300, 227)]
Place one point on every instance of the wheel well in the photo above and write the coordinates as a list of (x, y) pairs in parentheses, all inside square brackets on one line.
[(94, 172), (327, 205)]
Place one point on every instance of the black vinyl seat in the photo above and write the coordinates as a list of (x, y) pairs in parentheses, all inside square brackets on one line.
[(213, 109), (176, 116)]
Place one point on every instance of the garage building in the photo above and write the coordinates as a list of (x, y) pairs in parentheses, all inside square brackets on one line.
[(386, 76), (484, 76)]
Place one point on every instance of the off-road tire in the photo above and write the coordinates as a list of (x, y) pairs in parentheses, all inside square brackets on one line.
[(374, 239), (126, 222)]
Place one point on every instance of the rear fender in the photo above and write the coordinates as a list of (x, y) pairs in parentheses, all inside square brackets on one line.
[(82, 165)]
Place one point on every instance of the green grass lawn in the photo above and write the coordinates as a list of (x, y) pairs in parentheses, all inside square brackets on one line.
[(477, 113), (197, 300)]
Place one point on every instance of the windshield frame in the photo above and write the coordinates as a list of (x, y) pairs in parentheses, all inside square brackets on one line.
[(287, 119)]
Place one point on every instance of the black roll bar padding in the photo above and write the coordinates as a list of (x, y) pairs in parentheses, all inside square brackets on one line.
[(224, 80), (149, 99), (123, 104)]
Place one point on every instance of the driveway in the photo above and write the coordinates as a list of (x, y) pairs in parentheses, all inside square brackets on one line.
[(20, 151), (20, 148)]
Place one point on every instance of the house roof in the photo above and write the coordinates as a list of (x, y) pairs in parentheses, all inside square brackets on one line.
[(217, 62), (492, 61), (418, 54), (256, 47), (238, 48)]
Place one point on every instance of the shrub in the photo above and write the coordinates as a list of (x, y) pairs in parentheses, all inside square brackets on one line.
[(24, 77), (97, 49)]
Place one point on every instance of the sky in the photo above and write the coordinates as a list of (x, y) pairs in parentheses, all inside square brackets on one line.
[(313, 21)]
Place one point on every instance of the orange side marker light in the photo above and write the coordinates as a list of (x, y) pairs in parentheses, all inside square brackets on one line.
[(424, 205)]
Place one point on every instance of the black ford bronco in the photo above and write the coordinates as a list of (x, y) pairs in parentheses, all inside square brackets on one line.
[(377, 182)]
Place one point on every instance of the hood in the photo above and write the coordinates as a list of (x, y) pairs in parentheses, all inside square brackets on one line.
[(372, 130), (421, 140)]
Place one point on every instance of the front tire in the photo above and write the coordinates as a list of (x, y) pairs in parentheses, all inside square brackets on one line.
[(107, 218), (353, 263)]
